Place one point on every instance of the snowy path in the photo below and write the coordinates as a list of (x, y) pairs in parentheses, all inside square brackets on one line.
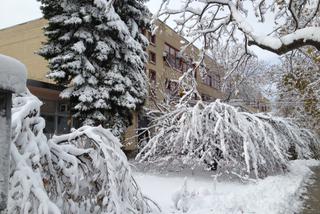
[(275, 194), (312, 203)]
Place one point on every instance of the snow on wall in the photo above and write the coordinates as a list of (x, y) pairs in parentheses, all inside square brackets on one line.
[(13, 74)]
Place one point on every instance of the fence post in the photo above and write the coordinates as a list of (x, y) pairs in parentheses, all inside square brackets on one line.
[(5, 141)]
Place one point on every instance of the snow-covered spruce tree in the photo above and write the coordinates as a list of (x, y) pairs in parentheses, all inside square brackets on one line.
[(218, 136), (81, 172), (95, 49)]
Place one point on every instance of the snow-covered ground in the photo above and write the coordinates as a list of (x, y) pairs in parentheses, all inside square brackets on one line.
[(202, 195)]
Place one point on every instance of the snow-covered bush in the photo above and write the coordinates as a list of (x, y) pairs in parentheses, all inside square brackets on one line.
[(218, 136), (81, 172), (94, 173), (29, 152)]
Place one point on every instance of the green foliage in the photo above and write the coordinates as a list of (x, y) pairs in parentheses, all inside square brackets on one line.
[(300, 85)]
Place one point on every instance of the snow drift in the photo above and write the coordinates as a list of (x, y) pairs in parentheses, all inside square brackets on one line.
[(81, 172), (218, 136), (198, 194)]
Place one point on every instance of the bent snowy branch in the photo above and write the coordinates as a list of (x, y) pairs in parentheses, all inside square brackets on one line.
[(81, 172), (218, 136), (217, 20)]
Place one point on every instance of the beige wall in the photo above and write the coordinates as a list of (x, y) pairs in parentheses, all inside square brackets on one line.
[(21, 42), (165, 35)]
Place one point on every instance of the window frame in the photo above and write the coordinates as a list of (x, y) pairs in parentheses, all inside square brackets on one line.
[(172, 55), (151, 53), (208, 80), (152, 73), (152, 38)]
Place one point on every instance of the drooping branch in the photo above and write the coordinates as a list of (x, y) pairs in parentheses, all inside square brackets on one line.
[(217, 136), (211, 17)]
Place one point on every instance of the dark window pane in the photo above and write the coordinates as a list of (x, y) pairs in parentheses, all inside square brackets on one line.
[(48, 107), (63, 107), (152, 38), (63, 125), (152, 76), (49, 129), (152, 57), (76, 123), (5, 104)]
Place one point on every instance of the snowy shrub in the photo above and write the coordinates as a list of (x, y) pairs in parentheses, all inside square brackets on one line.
[(218, 136), (81, 172), (29, 153), (182, 198), (95, 174)]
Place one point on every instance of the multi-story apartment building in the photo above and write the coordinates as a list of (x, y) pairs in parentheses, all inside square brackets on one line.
[(165, 65)]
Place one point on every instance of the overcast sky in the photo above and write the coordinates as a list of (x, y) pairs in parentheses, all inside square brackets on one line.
[(13, 12)]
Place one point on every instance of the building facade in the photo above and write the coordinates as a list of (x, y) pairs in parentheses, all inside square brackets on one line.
[(22, 42), (165, 65)]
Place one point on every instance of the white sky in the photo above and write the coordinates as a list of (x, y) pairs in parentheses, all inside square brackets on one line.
[(13, 12)]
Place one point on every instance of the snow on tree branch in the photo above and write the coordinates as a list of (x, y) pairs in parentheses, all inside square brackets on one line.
[(289, 42), (29, 151), (81, 172), (295, 23), (218, 136)]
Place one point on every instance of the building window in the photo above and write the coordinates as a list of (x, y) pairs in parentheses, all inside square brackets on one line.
[(173, 58), (64, 108), (152, 82), (205, 97), (152, 77), (171, 87), (216, 81), (208, 80), (49, 129), (57, 117), (152, 57), (212, 80), (183, 66), (152, 38)]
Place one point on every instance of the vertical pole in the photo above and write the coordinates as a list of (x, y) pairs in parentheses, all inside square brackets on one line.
[(5, 141)]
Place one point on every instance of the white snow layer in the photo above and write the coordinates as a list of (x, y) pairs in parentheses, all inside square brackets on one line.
[(13, 74), (200, 195)]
